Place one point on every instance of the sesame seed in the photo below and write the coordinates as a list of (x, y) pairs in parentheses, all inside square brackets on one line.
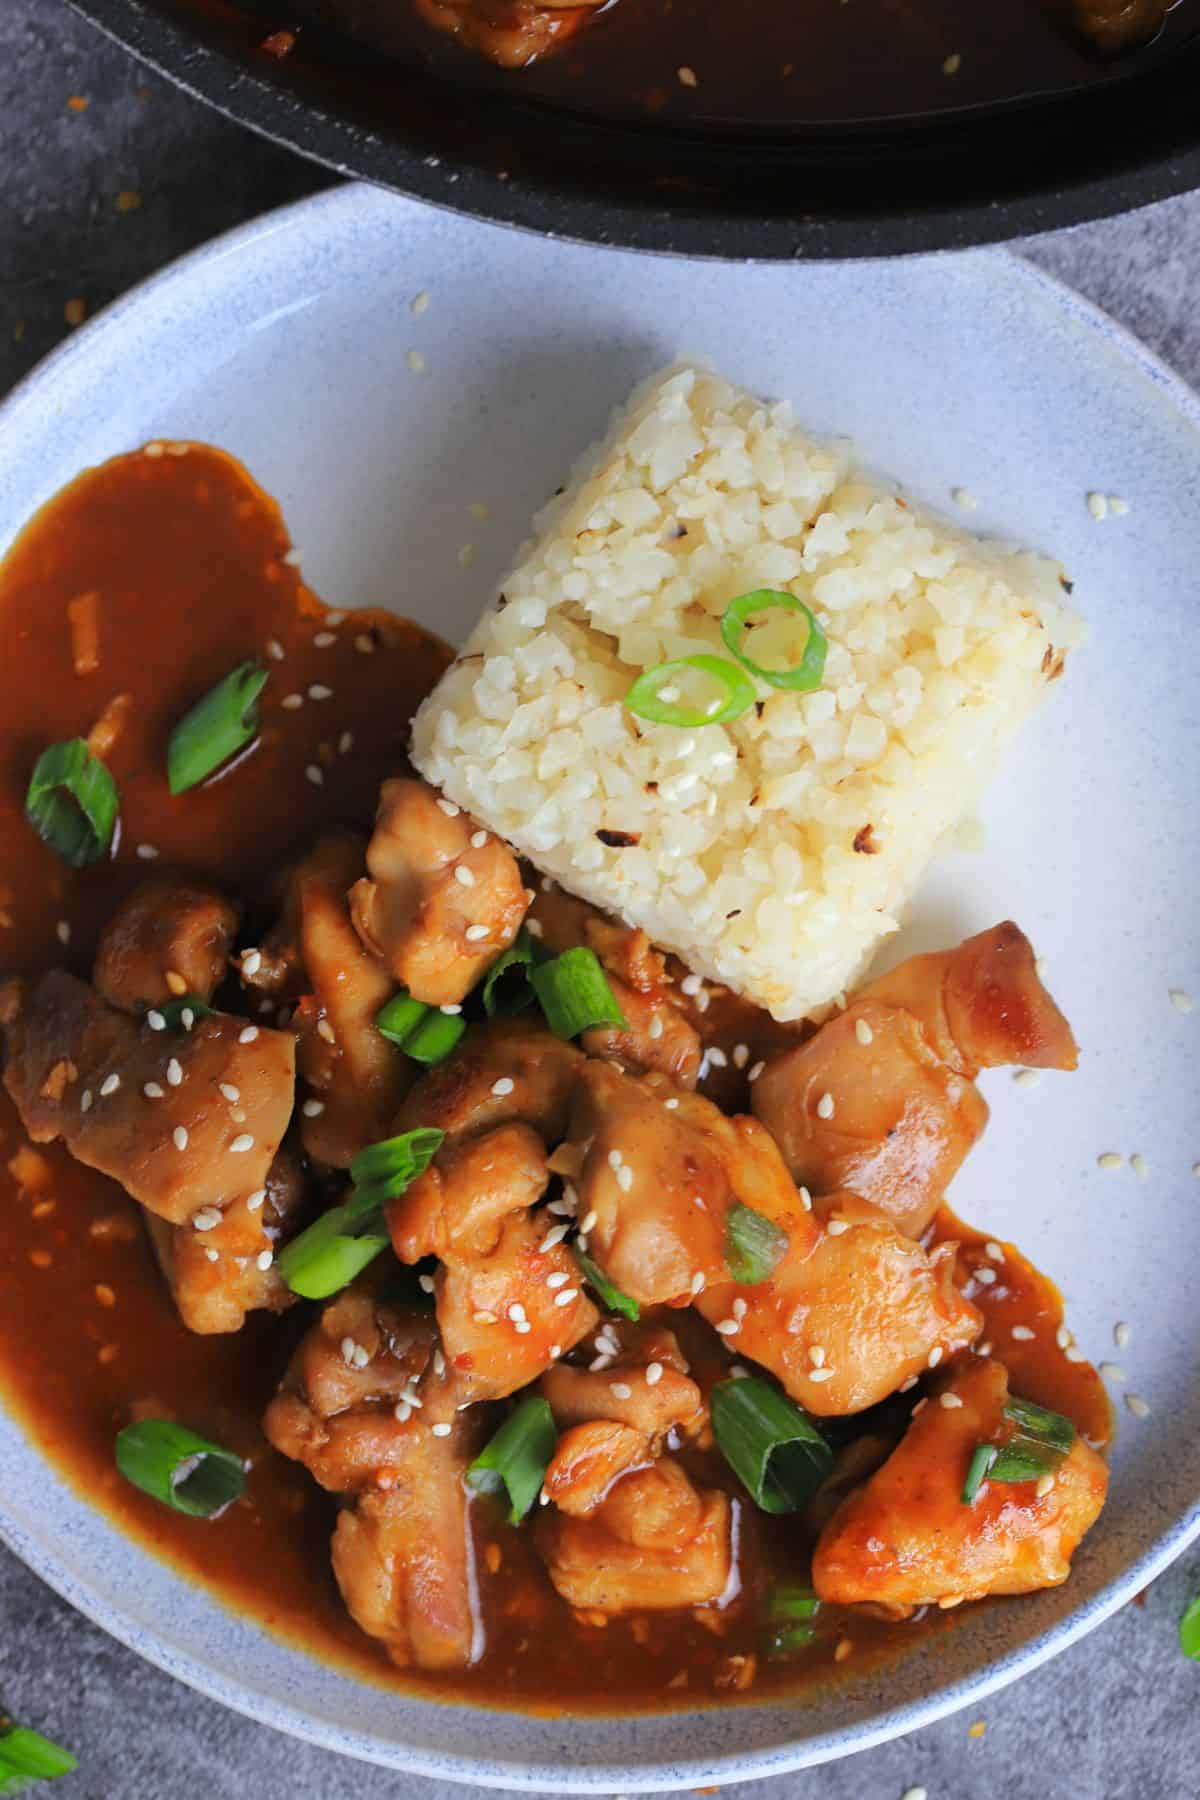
[(907, 1385), (364, 644), (516, 1310), (687, 77), (654, 1374), (915, 1793), (835, 1227), (521, 1326), (291, 702), (206, 1219), (620, 1390), (738, 1309), (238, 1114), (671, 1105), (1064, 1337), (560, 1276), (348, 1349), (85, 1100), (1112, 1371), (1180, 1000), (535, 929), (691, 984), (555, 1235), (993, 1249), (478, 839), (326, 1032), (109, 1085), (464, 876), (1137, 1406), (1027, 1078), (805, 1198), (986, 1276), (1138, 1164), (361, 1357), (442, 1430), (825, 1107), (566, 1296), (982, 1349), (821, 1374), (175, 1072), (1075, 1354), (728, 1327), (346, 743), (241, 1144), (180, 1137), (625, 1178), (756, 1071), (187, 1018), (402, 1412), (247, 1034), (741, 1055), (323, 639), (312, 1109), (935, 1357), (1097, 505), (697, 1283), (476, 933), (415, 361), (439, 1363), (949, 1401), (1121, 1335), (212, 1255), (264, 1259), (505, 1085), (1111, 1159), (615, 1159), (62, 932), (315, 775), (251, 962), (254, 1201), (718, 1058), (655, 1027), (448, 807), (155, 1020), (147, 852), (275, 649), (484, 1318), (152, 1090), (1023, 1334), (816, 1355)]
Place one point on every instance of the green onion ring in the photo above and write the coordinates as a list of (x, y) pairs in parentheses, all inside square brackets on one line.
[(518, 1456), (643, 697), (71, 802), (217, 727), (185, 1471), (808, 672)]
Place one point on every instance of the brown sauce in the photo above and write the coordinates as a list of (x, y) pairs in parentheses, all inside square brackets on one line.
[(188, 558)]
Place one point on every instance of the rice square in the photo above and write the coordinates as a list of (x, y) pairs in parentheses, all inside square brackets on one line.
[(775, 852)]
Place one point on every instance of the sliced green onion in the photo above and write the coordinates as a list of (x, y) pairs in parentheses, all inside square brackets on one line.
[(401, 1015), (218, 726), (172, 1011), (1189, 1630), (332, 1251), (783, 1641), (790, 1615), (506, 989), (598, 1281), (183, 1470), (808, 672), (981, 1461), (518, 1456), (1041, 1439), (435, 1037), (773, 1448), (574, 994), (753, 1244), (385, 1169), (792, 1603), (646, 700), (71, 802), (26, 1756)]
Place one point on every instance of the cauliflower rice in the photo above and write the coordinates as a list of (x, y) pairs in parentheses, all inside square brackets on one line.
[(775, 852)]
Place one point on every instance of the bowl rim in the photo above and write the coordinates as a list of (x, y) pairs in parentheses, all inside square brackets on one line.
[(253, 98), (669, 1773)]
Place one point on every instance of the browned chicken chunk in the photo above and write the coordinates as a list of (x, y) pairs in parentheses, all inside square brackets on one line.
[(182, 1119), (168, 937), (437, 907), (844, 1323), (645, 1385), (471, 1091), (660, 1168), (459, 1205), (882, 1099), (905, 1539), (652, 1542)]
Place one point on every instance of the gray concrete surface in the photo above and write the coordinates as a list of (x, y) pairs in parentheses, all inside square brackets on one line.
[(1115, 1718)]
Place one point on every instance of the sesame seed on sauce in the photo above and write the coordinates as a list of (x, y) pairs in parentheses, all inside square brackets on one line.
[(212, 1255), (365, 645), (756, 1071), (464, 876), (402, 1412), (985, 1275), (315, 775), (835, 1227), (625, 1178), (565, 1297), (863, 1032), (326, 1032), (816, 1355), (247, 1034), (671, 1105), (275, 649), (825, 1107), (448, 807), (187, 1018), (484, 1318), (516, 1310), (152, 1090), (318, 691), (109, 1085), (251, 962), (174, 1072), (292, 702), (697, 1283), (907, 1386), (503, 1086), (620, 1390), (560, 1276), (62, 932), (950, 1401), (1137, 1406), (654, 1374), (475, 934), (994, 1250), (254, 1201), (312, 1109), (690, 985), (478, 839), (439, 1431), (241, 1144), (728, 1327), (935, 1357), (179, 1137), (738, 1309), (717, 1057), (805, 1199), (147, 852), (535, 929), (821, 1374), (1023, 1334), (206, 1219), (324, 639), (425, 1283), (85, 1100), (741, 1055), (264, 1259), (155, 1020)]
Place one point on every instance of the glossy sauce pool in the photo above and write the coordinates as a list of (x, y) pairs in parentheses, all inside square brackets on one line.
[(188, 561)]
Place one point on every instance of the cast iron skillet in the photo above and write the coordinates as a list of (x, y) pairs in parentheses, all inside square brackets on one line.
[(866, 192)]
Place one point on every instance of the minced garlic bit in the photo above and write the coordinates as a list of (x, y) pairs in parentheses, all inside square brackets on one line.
[(687, 77), (952, 64), (1110, 1159)]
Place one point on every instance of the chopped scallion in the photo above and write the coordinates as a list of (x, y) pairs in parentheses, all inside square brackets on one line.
[(753, 1244), (176, 1466), (386, 1168), (574, 994), (506, 988), (771, 1446), (518, 1456), (216, 728), (338, 1246), (1189, 1630), (981, 1461), (783, 1641), (646, 699), (610, 1296), (26, 1756), (400, 1016), (785, 1602), (808, 672), (172, 1011), (432, 1040), (71, 802), (1038, 1444)]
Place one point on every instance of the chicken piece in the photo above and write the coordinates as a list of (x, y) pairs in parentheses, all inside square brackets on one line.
[(660, 1168), (404, 1558), (512, 33), (182, 1119), (214, 1264), (845, 1322), (653, 1543), (355, 1379), (168, 937), (333, 865), (458, 1206), (459, 1095), (882, 1099), (905, 1539), (358, 1076), (502, 1321), (588, 1459), (658, 1035), (645, 1386), (436, 907)]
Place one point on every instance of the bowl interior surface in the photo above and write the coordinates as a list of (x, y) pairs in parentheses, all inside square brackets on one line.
[(288, 344)]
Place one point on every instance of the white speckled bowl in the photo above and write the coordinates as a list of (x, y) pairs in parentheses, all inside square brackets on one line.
[(287, 344)]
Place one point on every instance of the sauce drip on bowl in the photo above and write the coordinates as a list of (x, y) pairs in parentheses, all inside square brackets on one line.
[(191, 564)]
